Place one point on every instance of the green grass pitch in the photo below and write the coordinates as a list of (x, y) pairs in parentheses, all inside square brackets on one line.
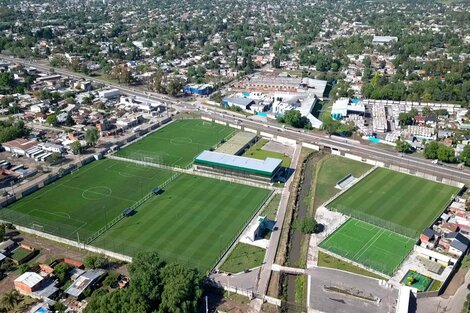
[(399, 202), (193, 221), (178, 143), (82, 202), (369, 245)]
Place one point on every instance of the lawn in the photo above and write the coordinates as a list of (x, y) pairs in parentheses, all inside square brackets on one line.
[(333, 169), (178, 143), (326, 260), (256, 152), (270, 210), (243, 257), (79, 204), (403, 203), (193, 221), (369, 245)]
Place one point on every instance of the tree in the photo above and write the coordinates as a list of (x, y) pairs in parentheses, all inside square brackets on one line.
[(52, 120), (330, 125), (2, 232), (465, 155), (403, 146), (430, 150), (307, 225), (92, 135), (174, 87), (155, 287), (446, 154), (10, 299), (276, 62), (295, 119), (95, 261), (181, 289), (61, 271), (76, 147)]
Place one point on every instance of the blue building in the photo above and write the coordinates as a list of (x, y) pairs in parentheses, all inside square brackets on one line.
[(200, 90)]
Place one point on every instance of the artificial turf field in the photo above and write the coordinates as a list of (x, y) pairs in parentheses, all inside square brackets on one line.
[(178, 143), (369, 245), (192, 221), (400, 202)]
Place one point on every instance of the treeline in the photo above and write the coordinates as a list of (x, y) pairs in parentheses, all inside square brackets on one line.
[(155, 287), (10, 129)]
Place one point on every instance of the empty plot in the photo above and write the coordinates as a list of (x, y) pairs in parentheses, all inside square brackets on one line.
[(193, 221), (178, 143), (400, 202), (369, 245), (78, 205)]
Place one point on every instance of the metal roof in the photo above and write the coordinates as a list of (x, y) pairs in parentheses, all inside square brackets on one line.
[(30, 279), (263, 167), (83, 282)]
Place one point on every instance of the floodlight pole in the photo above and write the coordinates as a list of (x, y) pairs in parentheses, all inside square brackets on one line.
[(78, 240)]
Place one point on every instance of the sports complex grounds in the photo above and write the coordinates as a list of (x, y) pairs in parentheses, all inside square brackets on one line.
[(388, 211), (193, 220)]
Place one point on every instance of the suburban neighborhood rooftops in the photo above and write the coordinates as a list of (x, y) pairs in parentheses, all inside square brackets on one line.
[(428, 232), (265, 167)]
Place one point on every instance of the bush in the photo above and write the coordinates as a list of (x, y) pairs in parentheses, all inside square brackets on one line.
[(306, 225), (96, 261), (24, 268)]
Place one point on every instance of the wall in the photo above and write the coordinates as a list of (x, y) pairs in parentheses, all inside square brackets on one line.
[(310, 146)]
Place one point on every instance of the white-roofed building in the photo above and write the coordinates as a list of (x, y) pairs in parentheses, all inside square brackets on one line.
[(381, 40), (28, 282)]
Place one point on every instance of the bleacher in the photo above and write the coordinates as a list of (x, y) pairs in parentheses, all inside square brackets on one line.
[(346, 182)]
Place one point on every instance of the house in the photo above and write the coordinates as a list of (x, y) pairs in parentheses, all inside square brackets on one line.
[(109, 93), (7, 246), (449, 228), (52, 147), (428, 237), (87, 279), (343, 107), (28, 282), (240, 102), (381, 40), (19, 146), (445, 134), (458, 243)]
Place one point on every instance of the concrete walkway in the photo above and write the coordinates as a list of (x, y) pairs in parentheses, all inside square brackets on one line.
[(270, 256)]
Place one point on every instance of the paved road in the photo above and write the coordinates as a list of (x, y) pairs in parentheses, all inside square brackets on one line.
[(321, 300), (276, 235)]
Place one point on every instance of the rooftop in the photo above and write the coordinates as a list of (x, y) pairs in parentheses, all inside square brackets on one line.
[(264, 167), (30, 279)]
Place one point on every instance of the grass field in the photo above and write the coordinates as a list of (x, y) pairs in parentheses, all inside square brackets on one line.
[(333, 169), (84, 201), (403, 203), (178, 143), (326, 260), (243, 257), (256, 152), (193, 221), (369, 245)]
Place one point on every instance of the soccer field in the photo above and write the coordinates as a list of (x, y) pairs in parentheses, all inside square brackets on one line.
[(369, 245), (178, 143), (193, 221), (85, 201), (403, 203)]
